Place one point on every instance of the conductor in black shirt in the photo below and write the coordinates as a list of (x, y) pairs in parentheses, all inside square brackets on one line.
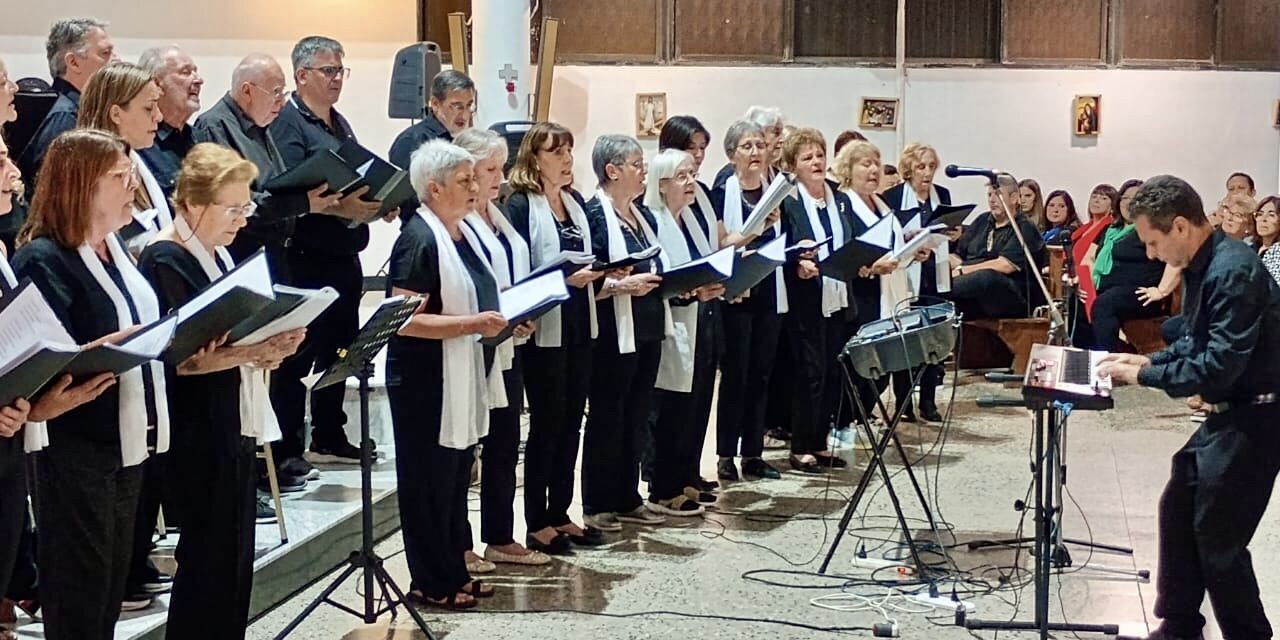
[(1227, 361), (323, 251)]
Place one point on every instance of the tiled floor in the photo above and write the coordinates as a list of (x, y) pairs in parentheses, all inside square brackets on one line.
[(776, 532)]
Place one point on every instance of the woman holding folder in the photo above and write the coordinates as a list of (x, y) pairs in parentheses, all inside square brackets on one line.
[(219, 401), (508, 256), (820, 316), (548, 213), (439, 418), (633, 322), (88, 471)]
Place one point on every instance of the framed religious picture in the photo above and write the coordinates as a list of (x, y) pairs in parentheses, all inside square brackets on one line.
[(651, 114), (1087, 115), (878, 113)]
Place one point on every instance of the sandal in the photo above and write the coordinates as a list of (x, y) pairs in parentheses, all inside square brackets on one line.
[(450, 603), (476, 589)]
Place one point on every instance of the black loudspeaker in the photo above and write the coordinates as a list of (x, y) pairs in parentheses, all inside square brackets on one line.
[(513, 132), (411, 76)]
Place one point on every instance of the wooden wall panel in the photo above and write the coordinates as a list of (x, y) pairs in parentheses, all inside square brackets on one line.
[(745, 29), (1249, 32), (626, 28), (436, 13), (1166, 29), (941, 29), (1059, 30), (845, 29)]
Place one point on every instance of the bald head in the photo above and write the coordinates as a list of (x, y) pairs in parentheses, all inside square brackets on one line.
[(258, 87)]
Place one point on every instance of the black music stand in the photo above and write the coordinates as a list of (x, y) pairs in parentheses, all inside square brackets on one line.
[(357, 361)]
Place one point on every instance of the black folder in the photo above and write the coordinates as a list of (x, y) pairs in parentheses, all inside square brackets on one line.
[(630, 260), (285, 302), (951, 215), (843, 263), (805, 246), (567, 262), (325, 167), (714, 268), (527, 300), (117, 359), (387, 183), (751, 268), (199, 327), (27, 378)]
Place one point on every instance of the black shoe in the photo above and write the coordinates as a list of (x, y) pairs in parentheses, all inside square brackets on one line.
[(266, 514), (287, 483), (908, 416), (1161, 634), (760, 469), (726, 470), (705, 485), (136, 602), (930, 413), (591, 537), (811, 466), (152, 582), (342, 452), (559, 546), (298, 467), (831, 462)]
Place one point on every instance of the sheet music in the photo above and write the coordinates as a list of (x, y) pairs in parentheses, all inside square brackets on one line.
[(783, 185), (905, 254), (531, 294), (806, 244), (28, 321), (152, 341), (252, 275), (363, 169), (301, 316)]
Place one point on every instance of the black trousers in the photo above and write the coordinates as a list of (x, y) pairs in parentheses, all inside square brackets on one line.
[(751, 341), (13, 504), (86, 507), (1111, 309), (621, 400), (215, 551), (681, 419), (806, 332), (433, 490), (777, 413), (499, 452), (557, 380), (144, 525), (988, 294), (1219, 486), (333, 330)]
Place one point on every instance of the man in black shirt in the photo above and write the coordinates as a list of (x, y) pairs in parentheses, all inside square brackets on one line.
[(449, 110), (323, 251), (76, 49), (1227, 361), (990, 275), (180, 85)]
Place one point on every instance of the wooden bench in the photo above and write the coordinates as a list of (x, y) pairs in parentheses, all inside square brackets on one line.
[(1144, 335), (994, 344)]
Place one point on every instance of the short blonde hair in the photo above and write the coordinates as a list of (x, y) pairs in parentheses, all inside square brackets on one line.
[(208, 168), (114, 85), (850, 154), (795, 143), (911, 154)]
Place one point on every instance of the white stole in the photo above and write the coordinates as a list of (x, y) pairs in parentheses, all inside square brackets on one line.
[(733, 221), (464, 414), (544, 244), (164, 215), (675, 367), (835, 294), (895, 287), (257, 417), (941, 253), (133, 400), (504, 354), (616, 249)]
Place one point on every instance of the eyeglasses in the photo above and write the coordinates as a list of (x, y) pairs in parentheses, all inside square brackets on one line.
[(331, 72), (682, 176), (276, 94), (460, 107), (128, 176), (748, 146), (232, 211)]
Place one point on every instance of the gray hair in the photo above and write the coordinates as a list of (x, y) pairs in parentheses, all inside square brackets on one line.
[(664, 166), (737, 131), (69, 36), (450, 80), (764, 117), (433, 162), (305, 52), (154, 59), (612, 149), (480, 143)]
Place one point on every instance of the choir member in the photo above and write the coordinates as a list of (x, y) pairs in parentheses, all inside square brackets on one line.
[(819, 315), (1128, 284), (686, 372), (76, 48), (219, 402), (548, 213), (633, 321), (1030, 201), (180, 85), (438, 418), (1267, 223), (753, 323), (771, 124), (450, 109), (324, 250), (990, 275), (1060, 218), (11, 219), (88, 469), (508, 256)]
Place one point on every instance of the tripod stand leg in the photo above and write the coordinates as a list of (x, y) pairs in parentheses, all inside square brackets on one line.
[(320, 599), (388, 583), (858, 491)]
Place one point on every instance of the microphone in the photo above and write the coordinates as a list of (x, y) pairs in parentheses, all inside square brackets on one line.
[(954, 171)]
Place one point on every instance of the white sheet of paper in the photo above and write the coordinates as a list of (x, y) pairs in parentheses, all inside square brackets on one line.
[(303, 315), (777, 249), (783, 185), (252, 275), (28, 321), (531, 293), (152, 342), (880, 234)]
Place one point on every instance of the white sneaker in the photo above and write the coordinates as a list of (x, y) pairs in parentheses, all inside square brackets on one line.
[(603, 521), (641, 515)]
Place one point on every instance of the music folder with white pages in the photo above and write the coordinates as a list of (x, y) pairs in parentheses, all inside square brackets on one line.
[(752, 267), (686, 277), (292, 309), (783, 185), (35, 348), (220, 307), (528, 300)]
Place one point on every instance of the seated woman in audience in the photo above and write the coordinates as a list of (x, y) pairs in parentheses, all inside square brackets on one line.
[(686, 371), (1267, 227), (219, 402), (1104, 204), (990, 275), (507, 254), (547, 212), (752, 324), (819, 314), (1128, 284), (1060, 219), (633, 322), (438, 418), (88, 469), (1237, 217), (1030, 202)]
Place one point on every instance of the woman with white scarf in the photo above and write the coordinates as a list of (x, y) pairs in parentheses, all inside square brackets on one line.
[(818, 322), (508, 256), (89, 465), (219, 402), (753, 323), (919, 164), (625, 359), (438, 418), (548, 213), (686, 372)]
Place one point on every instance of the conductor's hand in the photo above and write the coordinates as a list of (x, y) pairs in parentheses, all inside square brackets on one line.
[(807, 270), (583, 277), (1122, 368), (884, 265), (318, 201), (13, 417), (487, 324), (353, 208), (62, 397)]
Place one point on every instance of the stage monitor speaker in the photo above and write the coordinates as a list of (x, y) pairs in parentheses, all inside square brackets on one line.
[(513, 132), (415, 66)]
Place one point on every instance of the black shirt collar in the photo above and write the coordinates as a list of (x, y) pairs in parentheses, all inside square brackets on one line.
[(337, 130), (434, 127), (64, 88), (246, 124), (1200, 261)]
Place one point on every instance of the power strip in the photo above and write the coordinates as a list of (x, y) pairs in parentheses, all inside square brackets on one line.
[(945, 603)]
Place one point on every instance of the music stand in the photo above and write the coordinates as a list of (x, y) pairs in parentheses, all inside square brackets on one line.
[(357, 361)]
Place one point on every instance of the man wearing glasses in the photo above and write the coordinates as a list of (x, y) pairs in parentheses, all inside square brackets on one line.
[(450, 109)]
